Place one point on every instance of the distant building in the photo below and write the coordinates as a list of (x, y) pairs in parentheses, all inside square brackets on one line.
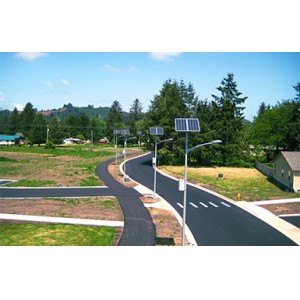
[(287, 169), (10, 139), (70, 141)]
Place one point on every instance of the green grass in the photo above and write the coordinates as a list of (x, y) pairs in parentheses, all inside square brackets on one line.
[(5, 159), (250, 183), (55, 235), (81, 152), (32, 183)]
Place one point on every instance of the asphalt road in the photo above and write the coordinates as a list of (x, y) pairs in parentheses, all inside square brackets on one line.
[(6, 192), (212, 220)]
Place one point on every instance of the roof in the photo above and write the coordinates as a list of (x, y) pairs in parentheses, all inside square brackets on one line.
[(292, 158), (4, 137)]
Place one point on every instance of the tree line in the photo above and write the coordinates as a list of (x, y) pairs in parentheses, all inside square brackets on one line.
[(221, 117)]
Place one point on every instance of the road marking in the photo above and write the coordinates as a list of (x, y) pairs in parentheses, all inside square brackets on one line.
[(180, 205), (215, 205), (225, 204), (203, 204), (193, 204)]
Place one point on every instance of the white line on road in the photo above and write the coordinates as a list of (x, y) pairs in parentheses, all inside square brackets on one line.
[(215, 205), (203, 204), (180, 205), (193, 204), (225, 204)]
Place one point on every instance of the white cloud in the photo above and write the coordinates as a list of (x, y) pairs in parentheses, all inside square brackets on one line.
[(131, 69), (1, 97), (110, 68), (164, 56), (30, 56), (50, 84), (19, 107), (65, 82)]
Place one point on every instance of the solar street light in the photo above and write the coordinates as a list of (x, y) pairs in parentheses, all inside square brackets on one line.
[(156, 131), (116, 132), (188, 125)]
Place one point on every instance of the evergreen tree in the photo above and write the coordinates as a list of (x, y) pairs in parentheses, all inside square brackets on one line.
[(13, 125), (297, 88), (135, 115), (262, 108), (114, 119), (228, 119), (165, 107), (56, 133), (26, 118), (38, 131)]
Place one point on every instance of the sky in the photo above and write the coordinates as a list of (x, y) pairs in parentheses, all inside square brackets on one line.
[(51, 79)]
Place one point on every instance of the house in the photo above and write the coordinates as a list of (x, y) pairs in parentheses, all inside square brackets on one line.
[(287, 169), (10, 139)]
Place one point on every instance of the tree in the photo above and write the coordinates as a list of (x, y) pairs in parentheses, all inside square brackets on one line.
[(26, 118), (228, 119), (262, 108), (297, 88), (114, 119), (56, 133), (135, 115), (165, 107), (13, 125), (38, 131), (279, 126)]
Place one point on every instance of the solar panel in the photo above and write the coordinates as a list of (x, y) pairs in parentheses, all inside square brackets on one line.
[(117, 131), (125, 132), (186, 125), (156, 131)]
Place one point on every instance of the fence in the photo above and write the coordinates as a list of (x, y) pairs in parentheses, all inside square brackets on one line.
[(264, 169)]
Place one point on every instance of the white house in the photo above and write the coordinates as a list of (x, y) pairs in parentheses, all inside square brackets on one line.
[(287, 169), (9, 139)]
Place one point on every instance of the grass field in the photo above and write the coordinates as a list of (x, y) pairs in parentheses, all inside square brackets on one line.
[(55, 235), (250, 183)]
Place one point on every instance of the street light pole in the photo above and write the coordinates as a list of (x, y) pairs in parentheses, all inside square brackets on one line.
[(156, 143), (187, 151)]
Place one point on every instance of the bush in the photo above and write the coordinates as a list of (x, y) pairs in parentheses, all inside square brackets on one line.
[(50, 145)]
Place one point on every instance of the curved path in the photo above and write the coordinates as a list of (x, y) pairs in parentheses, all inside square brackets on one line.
[(212, 220), (139, 229)]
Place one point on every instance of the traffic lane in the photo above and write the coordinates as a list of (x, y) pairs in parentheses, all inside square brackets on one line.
[(214, 221), (218, 224), (212, 227), (54, 192)]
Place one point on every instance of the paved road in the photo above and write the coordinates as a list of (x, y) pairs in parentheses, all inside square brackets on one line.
[(6, 192), (139, 229), (212, 220)]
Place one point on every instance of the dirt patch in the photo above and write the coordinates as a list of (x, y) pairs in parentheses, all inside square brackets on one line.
[(118, 176), (281, 209), (97, 208)]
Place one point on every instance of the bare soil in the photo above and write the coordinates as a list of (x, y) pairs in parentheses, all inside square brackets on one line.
[(285, 208)]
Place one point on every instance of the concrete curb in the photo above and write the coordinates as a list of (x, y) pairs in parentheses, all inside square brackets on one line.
[(163, 204), (74, 221)]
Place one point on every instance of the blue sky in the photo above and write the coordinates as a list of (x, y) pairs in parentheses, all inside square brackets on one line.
[(50, 80)]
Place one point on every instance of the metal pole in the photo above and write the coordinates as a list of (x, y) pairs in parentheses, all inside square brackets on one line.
[(125, 143), (154, 189), (116, 146), (47, 133), (184, 193)]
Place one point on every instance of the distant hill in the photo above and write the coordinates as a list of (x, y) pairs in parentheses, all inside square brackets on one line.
[(68, 109)]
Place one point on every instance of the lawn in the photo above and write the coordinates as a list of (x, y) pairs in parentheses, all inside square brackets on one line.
[(250, 183), (55, 235)]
